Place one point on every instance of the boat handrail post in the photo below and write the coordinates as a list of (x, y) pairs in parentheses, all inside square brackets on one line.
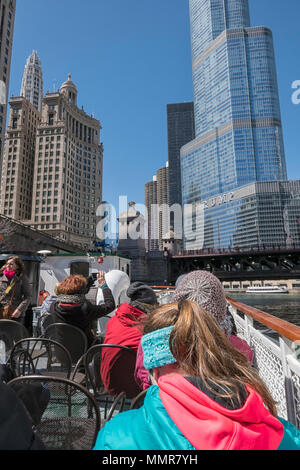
[(287, 350)]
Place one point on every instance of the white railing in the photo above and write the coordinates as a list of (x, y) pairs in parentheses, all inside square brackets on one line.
[(276, 358)]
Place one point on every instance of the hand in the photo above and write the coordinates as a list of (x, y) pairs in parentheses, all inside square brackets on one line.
[(101, 278), (16, 314)]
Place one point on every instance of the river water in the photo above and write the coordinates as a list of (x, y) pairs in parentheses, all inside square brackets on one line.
[(284, 306)]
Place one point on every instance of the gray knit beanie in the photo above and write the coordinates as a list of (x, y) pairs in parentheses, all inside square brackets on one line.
[(207, 291)]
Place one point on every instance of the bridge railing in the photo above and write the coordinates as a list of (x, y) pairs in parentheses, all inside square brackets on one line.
[(276, 347), (257, 249), (275, 357)]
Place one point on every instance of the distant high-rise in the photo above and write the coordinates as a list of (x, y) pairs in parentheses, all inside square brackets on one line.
[(7, 20), (181, 130), (32, 84), (238, 132), (157, 205)]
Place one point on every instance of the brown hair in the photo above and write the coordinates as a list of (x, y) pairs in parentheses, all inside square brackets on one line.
[(74, 284), (201, 349), (17, 261)]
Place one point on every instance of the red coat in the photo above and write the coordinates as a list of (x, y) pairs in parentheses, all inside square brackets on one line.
[(117, 365)]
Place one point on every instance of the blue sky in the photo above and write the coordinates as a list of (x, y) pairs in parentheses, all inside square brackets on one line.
[(129, 59)]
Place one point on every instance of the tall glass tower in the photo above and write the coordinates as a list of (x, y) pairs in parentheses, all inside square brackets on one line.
[(238, 132)]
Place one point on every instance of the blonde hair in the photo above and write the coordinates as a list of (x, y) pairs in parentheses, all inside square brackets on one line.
[(201, 349)]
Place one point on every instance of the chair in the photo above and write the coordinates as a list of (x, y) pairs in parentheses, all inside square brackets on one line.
[(138, 401), (41, 356), (11, 332), (71, 419), (43, 322), (73, 338), (110, 403)]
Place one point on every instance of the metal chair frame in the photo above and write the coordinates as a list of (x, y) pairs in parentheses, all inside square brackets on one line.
[(50, 332), (59, 423), (26, 358)]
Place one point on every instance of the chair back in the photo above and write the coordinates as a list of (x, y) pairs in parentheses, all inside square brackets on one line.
[(42, 356), (73, 338), (11, 332), (70, 420), (43, 322), (119, 372), (138, 401)]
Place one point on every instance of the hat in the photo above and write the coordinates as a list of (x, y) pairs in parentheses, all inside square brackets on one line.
[(156, 350), (206, 290), (141, 292)]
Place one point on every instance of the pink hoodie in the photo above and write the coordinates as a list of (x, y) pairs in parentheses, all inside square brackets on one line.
[(209, 426)]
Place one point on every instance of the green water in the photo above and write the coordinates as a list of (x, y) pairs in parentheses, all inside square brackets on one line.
[(283, 306)]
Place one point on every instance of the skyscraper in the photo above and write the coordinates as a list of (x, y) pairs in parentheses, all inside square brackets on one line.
[(7, 20), (32, 83), (18, 159), (67, 183), (238, 131), (157, 205), (181, 129)]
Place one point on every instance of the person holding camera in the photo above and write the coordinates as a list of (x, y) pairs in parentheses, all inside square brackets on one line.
[(72, 306)]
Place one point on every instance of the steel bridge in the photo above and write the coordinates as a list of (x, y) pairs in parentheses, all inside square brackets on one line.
[(260, 263)]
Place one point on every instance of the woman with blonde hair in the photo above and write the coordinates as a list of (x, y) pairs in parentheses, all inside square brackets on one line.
[(205, 394), (15, 295)]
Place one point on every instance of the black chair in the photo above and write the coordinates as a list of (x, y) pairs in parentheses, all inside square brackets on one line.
[(71, 419), (41, 356), (43, 322), (109, 403), (138, 401), (73, 338), (10, 333)]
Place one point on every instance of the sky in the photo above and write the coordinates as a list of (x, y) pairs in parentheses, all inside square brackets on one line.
[(129, 59)]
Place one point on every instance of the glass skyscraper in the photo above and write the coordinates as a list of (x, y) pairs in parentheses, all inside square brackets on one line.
[(238, 132)]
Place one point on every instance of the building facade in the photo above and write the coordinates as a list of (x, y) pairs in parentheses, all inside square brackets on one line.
[(238, 132), (151, 241), (32, 83), (181, 130), (7, 20), (158, 209), (262, 214), (67, 183), (19, 160)]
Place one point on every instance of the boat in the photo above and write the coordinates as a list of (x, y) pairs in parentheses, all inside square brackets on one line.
[(267, 290)]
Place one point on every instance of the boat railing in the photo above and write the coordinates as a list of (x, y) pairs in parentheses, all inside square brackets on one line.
[(276, 347), (276, 355)]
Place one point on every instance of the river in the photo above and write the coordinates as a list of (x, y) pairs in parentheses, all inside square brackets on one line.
[(284, 306)]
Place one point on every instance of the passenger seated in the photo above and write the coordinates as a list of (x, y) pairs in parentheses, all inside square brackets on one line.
[(124, 328), (207, 291), (72, 307), (205, 393)]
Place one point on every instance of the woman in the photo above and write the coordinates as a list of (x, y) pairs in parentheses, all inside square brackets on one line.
[(15, 295), (207, 291), (117, 365), (205, 394), (72, 307)]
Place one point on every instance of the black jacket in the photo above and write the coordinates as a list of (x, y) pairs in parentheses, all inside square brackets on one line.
[(16, 425), (82, 316)]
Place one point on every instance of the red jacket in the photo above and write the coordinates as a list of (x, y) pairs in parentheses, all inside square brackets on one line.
[(117, 365)]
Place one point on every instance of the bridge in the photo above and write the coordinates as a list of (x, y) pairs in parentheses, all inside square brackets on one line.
[(258, 263)]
